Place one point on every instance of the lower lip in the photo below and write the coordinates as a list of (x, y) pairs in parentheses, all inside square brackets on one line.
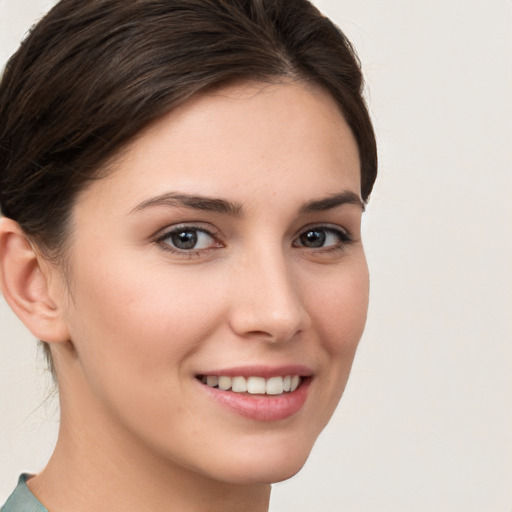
[(262, 407)]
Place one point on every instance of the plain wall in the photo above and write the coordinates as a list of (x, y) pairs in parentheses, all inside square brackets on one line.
[(426, 420)]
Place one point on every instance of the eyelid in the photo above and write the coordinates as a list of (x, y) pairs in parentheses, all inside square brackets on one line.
[(344, 235), (329, 227), (191, 225), (167, 232)]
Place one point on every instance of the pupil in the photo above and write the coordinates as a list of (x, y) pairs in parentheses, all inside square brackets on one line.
[(313, 239), (184, 239)]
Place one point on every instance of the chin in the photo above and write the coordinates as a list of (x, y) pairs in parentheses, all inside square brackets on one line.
[(268, 474), (264, 466)]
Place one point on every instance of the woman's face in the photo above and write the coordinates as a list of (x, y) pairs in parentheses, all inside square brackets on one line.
[(224, 248)]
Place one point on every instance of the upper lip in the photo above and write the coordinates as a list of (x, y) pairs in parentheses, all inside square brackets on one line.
[(262, 371)]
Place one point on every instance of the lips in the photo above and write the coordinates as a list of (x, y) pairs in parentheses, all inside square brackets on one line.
[(259, 393)]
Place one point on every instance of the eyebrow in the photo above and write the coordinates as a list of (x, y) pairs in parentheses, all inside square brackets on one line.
[(196, 202), (333, 201)]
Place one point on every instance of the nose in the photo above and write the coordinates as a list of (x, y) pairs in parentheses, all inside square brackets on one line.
[(267, 303)]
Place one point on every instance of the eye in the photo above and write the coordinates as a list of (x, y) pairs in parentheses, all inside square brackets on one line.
[(188, 239), (322, 238)]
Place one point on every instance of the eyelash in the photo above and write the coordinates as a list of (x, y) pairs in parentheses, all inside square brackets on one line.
[(191, 253), (343, 237)]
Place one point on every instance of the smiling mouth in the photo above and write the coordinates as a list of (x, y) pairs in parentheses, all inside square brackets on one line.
[(253, 385)]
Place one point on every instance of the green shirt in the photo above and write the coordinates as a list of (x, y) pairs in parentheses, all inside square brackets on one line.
[(22, 500)]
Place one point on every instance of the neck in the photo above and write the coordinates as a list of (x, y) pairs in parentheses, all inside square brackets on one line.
[(95, 467), (92, 477)]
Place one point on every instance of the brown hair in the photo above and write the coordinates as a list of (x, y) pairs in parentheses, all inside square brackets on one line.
[(93, 73)]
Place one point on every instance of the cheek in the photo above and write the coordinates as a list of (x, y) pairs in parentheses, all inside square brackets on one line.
[(337, 304), (141, 319), (339, 309)]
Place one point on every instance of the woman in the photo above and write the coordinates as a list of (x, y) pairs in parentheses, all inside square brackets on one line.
[(182, 184)]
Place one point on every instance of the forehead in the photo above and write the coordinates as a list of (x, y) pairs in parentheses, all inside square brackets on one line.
[(239, 140)]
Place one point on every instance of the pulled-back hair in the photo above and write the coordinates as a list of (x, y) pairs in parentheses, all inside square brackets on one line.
[(93, 73)]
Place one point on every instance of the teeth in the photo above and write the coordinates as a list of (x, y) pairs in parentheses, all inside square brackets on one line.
[(295, 382), (212, 380), (254, 385), (274, 386), (225, 383), (239, 385)]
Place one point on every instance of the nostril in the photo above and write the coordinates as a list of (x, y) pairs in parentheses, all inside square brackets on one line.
[(269, 305)]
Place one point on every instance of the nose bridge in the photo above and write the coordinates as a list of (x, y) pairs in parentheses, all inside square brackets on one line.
[(269, 302)]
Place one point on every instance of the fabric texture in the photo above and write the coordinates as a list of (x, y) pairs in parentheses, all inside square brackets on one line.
[(22, 500)]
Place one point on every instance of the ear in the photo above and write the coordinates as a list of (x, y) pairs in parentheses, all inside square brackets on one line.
[(25, 284)]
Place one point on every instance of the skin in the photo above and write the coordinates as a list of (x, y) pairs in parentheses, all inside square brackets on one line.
[(131, 323)]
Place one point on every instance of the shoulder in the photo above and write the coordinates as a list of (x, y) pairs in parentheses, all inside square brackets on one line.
[(22, 500)]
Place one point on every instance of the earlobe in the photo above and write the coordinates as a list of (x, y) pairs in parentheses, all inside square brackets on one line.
[(25, 285)]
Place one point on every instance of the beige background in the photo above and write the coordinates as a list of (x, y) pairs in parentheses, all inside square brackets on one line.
[(426, 421)]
